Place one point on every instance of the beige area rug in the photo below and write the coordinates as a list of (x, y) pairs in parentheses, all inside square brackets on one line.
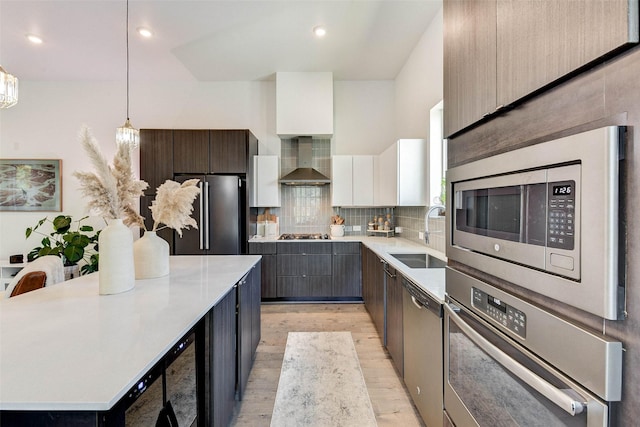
[(321, 383)]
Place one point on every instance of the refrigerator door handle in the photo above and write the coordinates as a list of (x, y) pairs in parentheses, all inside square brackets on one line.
[(206, 215), (201, 216)]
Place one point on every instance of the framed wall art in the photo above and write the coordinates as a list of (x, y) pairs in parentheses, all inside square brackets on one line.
[(31, 185)]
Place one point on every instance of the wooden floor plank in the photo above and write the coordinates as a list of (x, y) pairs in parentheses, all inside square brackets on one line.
[(389, 398)]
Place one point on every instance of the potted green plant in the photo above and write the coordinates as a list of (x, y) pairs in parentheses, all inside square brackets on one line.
[(71, 243)]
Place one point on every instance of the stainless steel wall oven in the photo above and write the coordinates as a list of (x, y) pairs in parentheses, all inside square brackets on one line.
[(546, 217), (509, 363)]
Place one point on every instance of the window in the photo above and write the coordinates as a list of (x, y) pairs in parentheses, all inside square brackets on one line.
[(437, 156)]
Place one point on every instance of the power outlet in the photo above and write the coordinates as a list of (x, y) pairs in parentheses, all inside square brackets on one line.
[(357, 228), (398, 230), (421, 235)]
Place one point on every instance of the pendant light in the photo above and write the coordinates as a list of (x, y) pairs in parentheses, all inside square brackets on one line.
[(8, 89), (127, 134)]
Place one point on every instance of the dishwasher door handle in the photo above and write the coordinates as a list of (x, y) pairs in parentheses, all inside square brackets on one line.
[(413, 300), (554, 394)]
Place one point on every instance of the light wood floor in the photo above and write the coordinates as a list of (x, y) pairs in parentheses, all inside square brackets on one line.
[(391, 402)]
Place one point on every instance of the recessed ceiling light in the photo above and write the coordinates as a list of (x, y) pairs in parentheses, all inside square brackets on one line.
[(319, 31), (145, 32), (34, 39)]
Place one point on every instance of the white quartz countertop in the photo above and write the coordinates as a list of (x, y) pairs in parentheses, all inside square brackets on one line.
[(430, 280), (65, 347)]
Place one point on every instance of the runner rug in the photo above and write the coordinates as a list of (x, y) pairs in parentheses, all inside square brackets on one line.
[(321, 383)]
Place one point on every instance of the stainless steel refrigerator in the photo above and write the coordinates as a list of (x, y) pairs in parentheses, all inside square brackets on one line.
[(220, 211)]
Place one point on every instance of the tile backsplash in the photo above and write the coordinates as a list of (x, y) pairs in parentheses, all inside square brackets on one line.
[(411, 219)]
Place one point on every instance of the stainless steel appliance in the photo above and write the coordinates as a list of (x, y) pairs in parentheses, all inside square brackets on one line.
[(546, 217), (422, 320), (509, 363), (220, 211)]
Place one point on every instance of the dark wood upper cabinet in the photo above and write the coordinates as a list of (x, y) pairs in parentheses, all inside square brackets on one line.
[(191, 151), (156, 157), (540, 42), (228, 151), (499, 53), (469, 62)]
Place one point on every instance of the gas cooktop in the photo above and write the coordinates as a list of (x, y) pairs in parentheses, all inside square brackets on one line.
[(302, 236)]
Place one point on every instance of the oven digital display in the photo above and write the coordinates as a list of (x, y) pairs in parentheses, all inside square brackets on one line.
[(495, 302), (562, 190)]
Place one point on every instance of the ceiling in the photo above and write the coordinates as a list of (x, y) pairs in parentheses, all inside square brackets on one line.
[(209, 40)]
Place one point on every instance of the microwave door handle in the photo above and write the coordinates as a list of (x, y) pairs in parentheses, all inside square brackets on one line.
[(554, 394)]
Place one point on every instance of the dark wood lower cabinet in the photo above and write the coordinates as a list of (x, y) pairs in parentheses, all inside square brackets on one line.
[(347, 270), (222, 361), (248, 335), (310, 270), (395, 340), (373, 290), (268, 270)]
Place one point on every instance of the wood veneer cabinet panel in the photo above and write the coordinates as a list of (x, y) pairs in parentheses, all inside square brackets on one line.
[(469, 62), (222, 359), (191, 151), (156, 157), (229, 151), (395, 339), (542, 41), (347, 270)]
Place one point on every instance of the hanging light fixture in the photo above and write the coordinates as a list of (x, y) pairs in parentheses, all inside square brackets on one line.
[(8, 89), (127, 134)]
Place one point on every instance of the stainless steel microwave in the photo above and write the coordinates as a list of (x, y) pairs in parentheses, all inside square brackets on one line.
[(545, 217)]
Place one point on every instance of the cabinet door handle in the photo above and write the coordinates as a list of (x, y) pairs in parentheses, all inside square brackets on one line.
[(200, 184), (206, 214)]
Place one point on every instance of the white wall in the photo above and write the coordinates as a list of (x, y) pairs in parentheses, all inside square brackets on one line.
[(364, 116), (419, 84)]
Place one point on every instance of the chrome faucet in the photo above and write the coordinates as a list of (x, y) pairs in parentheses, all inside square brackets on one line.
[(426, 221)]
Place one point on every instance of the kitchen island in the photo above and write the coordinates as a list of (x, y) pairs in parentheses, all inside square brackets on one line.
[(66, 348)]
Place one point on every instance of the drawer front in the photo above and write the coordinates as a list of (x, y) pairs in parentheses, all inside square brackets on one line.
[(300, 287), (304, 247), (267, 248), (346, 247)]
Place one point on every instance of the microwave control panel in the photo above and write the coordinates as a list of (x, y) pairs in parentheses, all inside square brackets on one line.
[(561, 214), (509, 317)]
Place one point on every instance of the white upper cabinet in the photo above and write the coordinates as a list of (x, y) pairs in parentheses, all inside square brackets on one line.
[(304, 104), (353, 181), (265, 188), (402, 174)]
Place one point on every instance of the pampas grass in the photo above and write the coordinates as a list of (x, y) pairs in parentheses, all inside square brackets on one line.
[(112, 191), (174, 204)]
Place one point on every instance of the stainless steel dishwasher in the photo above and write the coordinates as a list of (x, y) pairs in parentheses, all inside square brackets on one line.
[(423, 375)]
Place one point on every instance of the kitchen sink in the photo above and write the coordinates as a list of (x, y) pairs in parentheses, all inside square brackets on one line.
[(419, 260)]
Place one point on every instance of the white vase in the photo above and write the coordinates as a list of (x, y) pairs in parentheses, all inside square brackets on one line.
[(115, 267), (337, 230), (151, 256)]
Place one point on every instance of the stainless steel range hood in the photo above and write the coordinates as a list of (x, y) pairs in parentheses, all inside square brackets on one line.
[(304, 174)]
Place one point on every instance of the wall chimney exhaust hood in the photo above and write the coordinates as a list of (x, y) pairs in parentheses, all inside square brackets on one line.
[(305, 174)]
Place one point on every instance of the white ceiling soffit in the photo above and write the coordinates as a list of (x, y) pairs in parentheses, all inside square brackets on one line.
[(210, 40)]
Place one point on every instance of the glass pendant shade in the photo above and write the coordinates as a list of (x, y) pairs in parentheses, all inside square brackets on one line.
[(8, 89), (127, 134)]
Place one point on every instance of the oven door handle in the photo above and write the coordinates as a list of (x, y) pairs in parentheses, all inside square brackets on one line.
[(554, 394)]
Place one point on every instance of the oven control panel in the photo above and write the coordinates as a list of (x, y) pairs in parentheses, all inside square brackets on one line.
[(509, 317), (561, 214)]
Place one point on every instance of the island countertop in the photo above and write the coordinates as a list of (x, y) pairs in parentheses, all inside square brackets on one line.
[(66, 347)]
